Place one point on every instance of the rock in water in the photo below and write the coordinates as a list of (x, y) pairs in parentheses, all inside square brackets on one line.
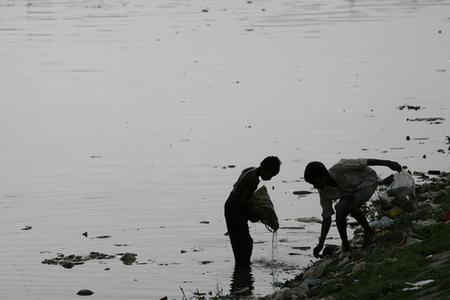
[(128, 258), (85, 293)]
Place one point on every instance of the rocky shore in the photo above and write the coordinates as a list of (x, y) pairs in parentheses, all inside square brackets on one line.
[(410, 258)]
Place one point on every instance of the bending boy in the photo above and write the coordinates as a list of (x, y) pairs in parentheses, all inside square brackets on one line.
[(237, 207), (353, 182)]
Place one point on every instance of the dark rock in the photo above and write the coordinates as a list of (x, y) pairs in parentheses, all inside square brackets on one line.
[(28, 227), (206, 262), (67, 264), (330, 250), (85, 234), (128, 258)]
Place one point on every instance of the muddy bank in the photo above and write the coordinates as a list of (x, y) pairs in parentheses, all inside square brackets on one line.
[(409, 259)]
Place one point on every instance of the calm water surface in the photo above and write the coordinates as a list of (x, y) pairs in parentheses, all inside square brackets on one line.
[(120, 118)]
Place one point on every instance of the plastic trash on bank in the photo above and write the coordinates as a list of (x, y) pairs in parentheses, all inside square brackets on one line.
[(382, 223), (401, 193)]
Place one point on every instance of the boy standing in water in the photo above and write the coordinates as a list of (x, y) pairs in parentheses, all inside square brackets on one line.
[(237, 207), (353, 182)]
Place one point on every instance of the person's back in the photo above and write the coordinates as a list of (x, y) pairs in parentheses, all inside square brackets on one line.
[(351, 174)]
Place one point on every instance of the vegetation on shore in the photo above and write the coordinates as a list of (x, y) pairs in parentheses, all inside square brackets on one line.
[(410, 258)]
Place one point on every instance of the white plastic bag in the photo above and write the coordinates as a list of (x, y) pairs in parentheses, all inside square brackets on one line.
[(401, 192), (261, 209)]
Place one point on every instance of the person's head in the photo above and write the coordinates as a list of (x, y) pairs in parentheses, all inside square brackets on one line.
[(269, 167), (316, 174)]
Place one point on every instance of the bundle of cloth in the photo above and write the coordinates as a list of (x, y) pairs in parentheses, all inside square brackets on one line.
[(262, 209)]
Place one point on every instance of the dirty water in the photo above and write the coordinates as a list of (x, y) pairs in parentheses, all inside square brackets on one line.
[(129, 121)]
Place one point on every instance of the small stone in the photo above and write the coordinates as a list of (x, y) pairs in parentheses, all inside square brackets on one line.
[(67, 264), (85, 293), (28, 227), (128, 258), (85, 234), (359, 267), (408, 138)]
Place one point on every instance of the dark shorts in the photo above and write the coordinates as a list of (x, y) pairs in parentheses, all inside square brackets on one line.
[(359, 197)]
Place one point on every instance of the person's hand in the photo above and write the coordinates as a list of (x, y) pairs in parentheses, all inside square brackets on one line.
[(393, 165), (317, 249)]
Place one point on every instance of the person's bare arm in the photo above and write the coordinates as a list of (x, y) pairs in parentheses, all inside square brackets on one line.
[(386, 163), (326, 224)]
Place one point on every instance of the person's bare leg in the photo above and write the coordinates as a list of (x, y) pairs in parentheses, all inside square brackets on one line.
[(359, 216), (341, 223)]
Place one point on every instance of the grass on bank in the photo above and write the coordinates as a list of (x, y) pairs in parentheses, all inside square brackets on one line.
[(388, 268)]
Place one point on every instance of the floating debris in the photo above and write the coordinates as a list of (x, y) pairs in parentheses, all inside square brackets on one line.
[(85, 293), (72, 260), (434, 172), (409, 107), (433, 119), (292, 228), (309, 220), (301, 248), (301, 193), (101, 237)]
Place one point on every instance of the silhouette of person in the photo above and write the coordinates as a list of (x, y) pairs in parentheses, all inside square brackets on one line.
[(237, 207), (351, 181)]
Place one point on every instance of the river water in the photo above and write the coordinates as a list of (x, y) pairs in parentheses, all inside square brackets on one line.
[(120, 118)]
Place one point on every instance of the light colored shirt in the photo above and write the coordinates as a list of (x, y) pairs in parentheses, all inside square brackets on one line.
[(350, 175)]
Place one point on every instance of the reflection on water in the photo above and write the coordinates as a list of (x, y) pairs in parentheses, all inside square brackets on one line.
[(242, 281)]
